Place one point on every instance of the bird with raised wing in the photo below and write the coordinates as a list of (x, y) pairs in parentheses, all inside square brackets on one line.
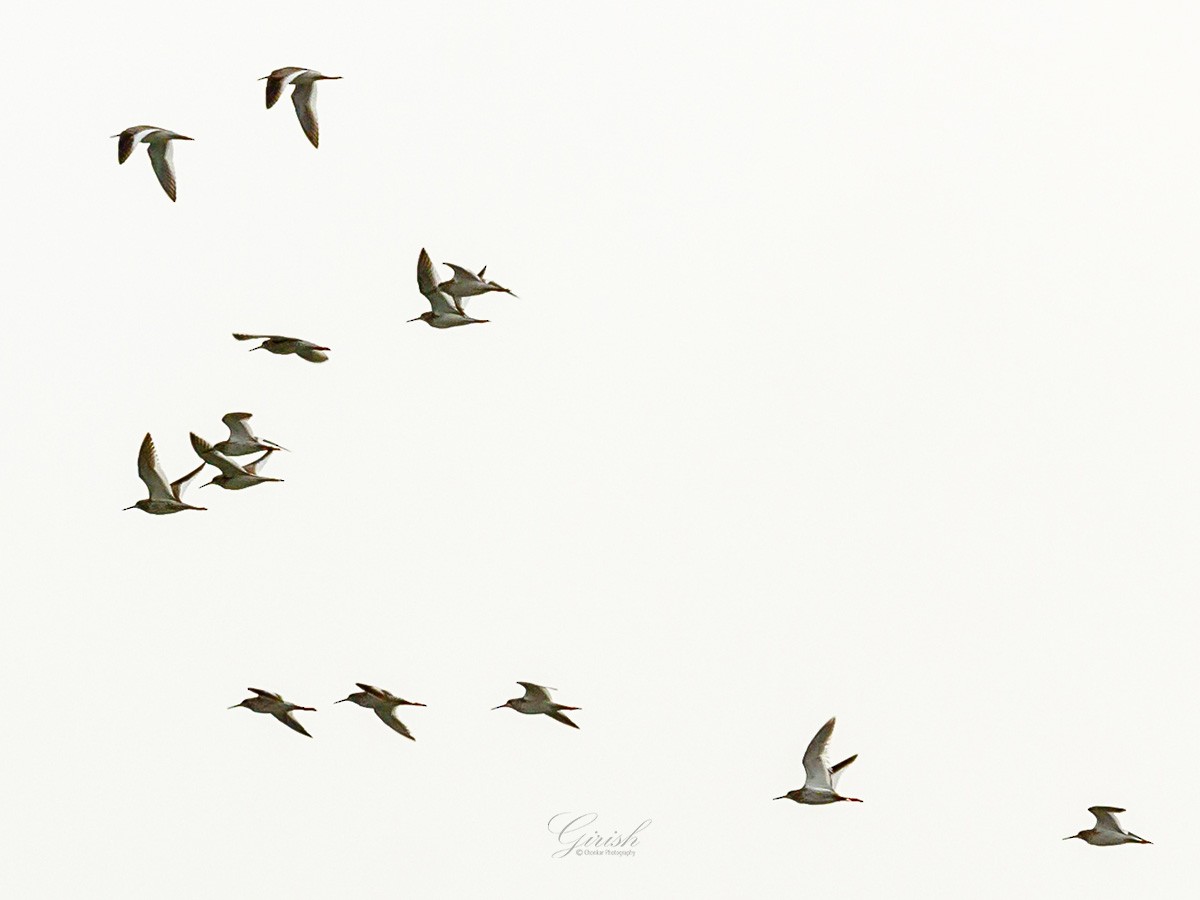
[(1108, 831), (384, 704), (274, 705), (164, 498), (820, 779), (537, 701), (304, 94), (233, 477), (445, 312), (161, 156), (276, 343), (466, 283), (241, 439)]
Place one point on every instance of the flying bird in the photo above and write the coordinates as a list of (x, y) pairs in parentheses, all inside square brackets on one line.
[(1108, 831), (241, 439), (537, 700), (466, 283), (820, 780), (276, 343), (233, 477), (273, 704), (384, 704), (159, 140), (445, 311), (164, 499), (304, 94)]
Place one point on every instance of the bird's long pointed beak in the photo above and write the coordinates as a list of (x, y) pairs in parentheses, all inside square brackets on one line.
[(235, 706), (126, 509), (417, 319), (182, 138), (343, 700), (784, 797), (259, 347), (1070, 836), (410, 703), (501, 706)]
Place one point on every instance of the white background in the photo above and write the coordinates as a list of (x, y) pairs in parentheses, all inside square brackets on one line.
[(853, 372)]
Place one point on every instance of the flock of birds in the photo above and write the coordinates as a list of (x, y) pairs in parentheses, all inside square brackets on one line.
[(167, 497), (446, 300), (304, 92), (535, 701)]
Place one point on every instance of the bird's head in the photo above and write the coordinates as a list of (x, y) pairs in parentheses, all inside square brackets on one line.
[(504, 704), (423, 317)]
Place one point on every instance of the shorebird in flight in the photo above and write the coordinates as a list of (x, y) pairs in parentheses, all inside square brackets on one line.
[(466, 283), (233, 477), (384, 704), (278, 344), (164, 498), (446, 312), (159, 140), (1108, 831), (241, 439), (537, 700), (820, 780), (274, 705), (304, 94)]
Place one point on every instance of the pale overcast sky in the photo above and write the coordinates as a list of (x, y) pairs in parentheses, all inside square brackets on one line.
[(853, 373)]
